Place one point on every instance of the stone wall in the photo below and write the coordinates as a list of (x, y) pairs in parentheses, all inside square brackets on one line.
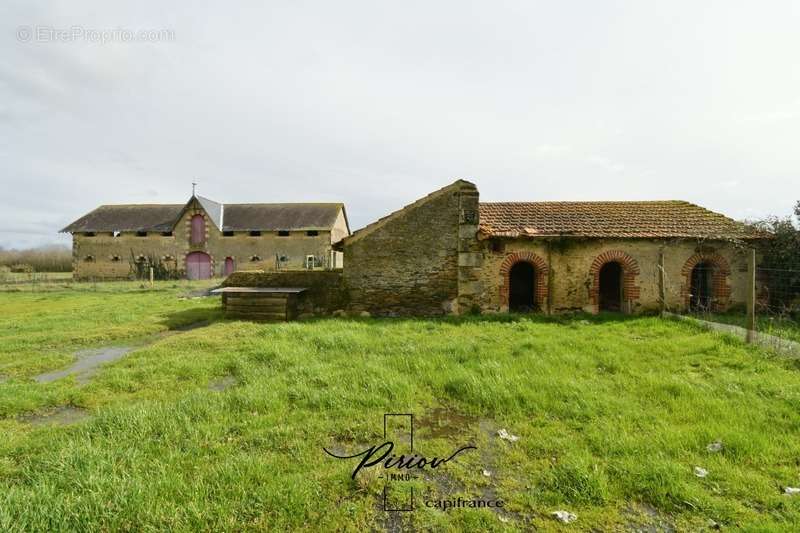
[(415, 261), (326, 292), (568, 271), (94, 256)]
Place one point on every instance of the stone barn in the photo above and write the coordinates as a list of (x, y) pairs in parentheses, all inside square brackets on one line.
[(203, 238), (449, 253)]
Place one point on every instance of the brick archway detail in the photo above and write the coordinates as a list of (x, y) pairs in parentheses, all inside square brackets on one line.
[(540, 268), (630, 269), (719, 279)]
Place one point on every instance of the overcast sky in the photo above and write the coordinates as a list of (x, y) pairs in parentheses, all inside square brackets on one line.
[(377, 103)]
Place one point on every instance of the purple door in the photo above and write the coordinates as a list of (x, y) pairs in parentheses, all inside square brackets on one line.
[(198, 229), (198, 265), (228, 266)]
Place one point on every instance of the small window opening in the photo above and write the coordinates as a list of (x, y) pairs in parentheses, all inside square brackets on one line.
[(89, 234), (255, 258), (312, 233), (115, 259), (497, 246), (166, 234), (255, 234), (227, 234), (283, 233), (141, 234)]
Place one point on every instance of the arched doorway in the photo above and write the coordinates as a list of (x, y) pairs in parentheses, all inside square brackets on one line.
[(198, 229), (610, 291), (198, 265), (229, 266), (522, 290), (701, 290)]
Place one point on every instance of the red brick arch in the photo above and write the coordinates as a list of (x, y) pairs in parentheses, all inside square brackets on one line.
[(719, 279), (630, 269), (540, 268)]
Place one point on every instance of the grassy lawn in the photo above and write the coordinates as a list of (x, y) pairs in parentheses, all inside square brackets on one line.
[(612, 417)]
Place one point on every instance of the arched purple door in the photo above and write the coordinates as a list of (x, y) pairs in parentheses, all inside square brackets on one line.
[(198, 229), (198, 265), (228, 266)]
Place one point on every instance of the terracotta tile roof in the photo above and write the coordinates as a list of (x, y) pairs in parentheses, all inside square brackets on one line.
[(654, 219)]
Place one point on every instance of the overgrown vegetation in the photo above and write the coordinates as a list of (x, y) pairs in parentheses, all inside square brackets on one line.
[(612, 415), (51, 258), (163, 269), (780, 266)]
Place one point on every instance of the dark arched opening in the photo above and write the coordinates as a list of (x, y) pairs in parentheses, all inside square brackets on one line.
[(702, 287), (522, 287), (611, 287)]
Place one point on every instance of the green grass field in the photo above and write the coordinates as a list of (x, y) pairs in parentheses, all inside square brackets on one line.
[(222, 427)]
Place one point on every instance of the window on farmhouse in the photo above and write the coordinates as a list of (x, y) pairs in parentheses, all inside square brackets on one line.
[(312, 233), (166, 234), (255, 258), (227, 234), (255, 234), (89, 234), (283, 233), (115, 259), (141, 234)]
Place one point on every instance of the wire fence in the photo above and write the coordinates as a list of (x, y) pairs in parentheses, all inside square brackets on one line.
[(58, 281), (761, 304)]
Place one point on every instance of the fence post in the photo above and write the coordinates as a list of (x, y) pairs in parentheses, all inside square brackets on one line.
[(151, 277), (662, 289), (751, 296)]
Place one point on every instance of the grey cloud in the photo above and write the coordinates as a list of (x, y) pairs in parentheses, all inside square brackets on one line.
[(376, 104)]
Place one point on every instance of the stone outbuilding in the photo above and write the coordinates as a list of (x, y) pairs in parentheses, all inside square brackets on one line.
[(448, 253)]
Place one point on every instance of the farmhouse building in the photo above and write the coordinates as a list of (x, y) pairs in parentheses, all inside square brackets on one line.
[(203, 238), (449, 253)]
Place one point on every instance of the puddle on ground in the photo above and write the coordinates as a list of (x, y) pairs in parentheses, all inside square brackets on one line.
[(87, 364), (222, 384), (61, 416), (444, 423), (90, 360)]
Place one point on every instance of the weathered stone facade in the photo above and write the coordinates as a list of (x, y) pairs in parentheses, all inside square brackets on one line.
[(432, 257), (421, 260), (114, 255), (567, 272)]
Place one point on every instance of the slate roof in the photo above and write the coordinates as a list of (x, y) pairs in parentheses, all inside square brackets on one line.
[(232, 217), (274, 217), (131, 217), (651, 219)]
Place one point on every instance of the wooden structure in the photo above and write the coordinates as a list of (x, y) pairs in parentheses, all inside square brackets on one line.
[(260, 303)]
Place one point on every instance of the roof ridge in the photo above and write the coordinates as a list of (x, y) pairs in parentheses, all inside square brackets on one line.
[(369, 228)]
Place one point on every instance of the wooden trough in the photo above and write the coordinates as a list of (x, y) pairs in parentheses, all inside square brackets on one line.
[(260, 303)]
